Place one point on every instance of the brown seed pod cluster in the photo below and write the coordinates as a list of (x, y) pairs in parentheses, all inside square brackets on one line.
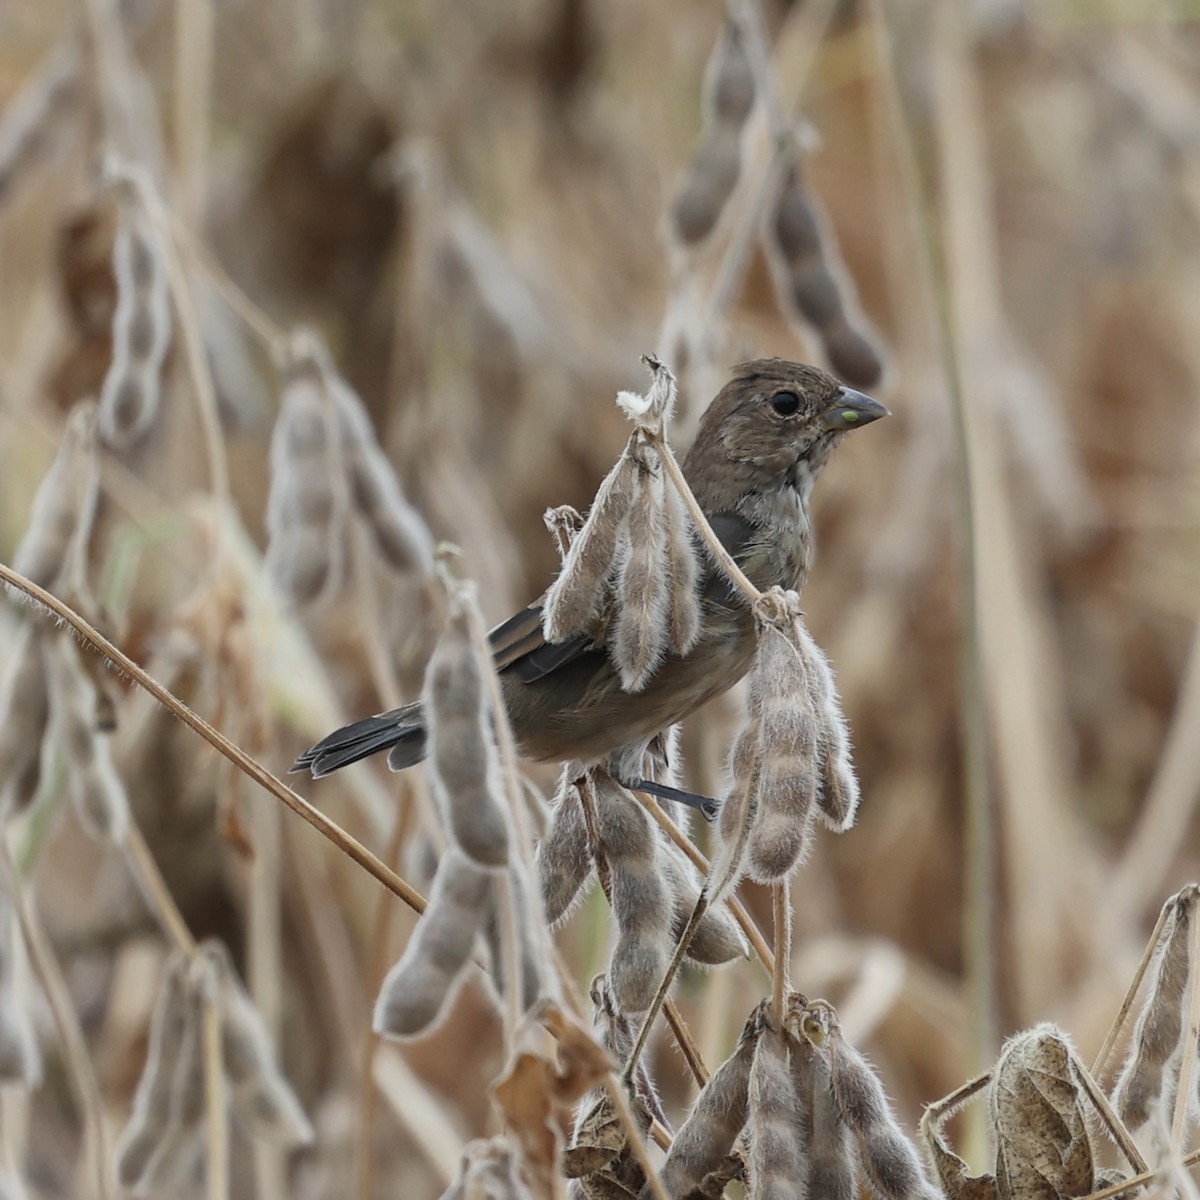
[(306, 508), (165, 1132), (651, 887), (53, 548), (613, 584), (1155, 1050), (258, 1092), (28, 126), (811, 283), (326, 469), (716, 163), (20, 1057), (791, 760), (99, 796), (24, 719), (132, 391)]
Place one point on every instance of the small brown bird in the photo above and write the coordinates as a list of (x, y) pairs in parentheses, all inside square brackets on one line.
[(759, 449)]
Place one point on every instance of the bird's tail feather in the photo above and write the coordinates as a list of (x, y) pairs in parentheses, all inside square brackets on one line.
[(402, 731)]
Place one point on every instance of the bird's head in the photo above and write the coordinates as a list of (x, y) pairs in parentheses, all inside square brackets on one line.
[(771, 426)]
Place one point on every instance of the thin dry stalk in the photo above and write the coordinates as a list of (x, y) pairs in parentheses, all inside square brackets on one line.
[(248, 766), (97, 1146), (216, 1166), (781, 907)]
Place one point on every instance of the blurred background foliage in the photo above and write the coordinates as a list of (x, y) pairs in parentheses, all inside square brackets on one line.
[(470, 202)]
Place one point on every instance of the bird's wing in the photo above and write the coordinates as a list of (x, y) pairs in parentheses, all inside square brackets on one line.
[(518, 643)]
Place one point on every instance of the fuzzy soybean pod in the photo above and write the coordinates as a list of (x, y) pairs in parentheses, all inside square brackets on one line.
[(24, 717), (400, 535), (20, 1058), (170, 1030), (716, 1119), (99, 796), (627, 847), (829, 1154), (777, 1162), (61, 517), (890, 1159), (683, 570), (467, 776), (132, 391), (563, 862), (788, 768), (418, 988), (576, 596), (641, 631), (306, 503), (1160, 1024), (260, 1093), (717, 938), (535, 982)]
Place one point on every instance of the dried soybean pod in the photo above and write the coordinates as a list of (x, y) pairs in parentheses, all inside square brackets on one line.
[(563, 862), (418, 988), (489, 1171), (400, 535), (777, 1167), (640, 633), (683, 619), (717, 938), (61, 517), (576, 595), (891, 1161), (729, 77), (626, 845), (24, 716), (260, 1093), (711, 177), (534, 982), (97, 792), (466, 766), (716, 1119), (1160, 1024), (132, 390), (837, 797), (830, 1161), (305, 506), (151, 1115)]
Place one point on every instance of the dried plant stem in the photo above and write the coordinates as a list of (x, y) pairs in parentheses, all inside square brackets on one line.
[(687, 1044), (1137, 1181), (1116, 1127), (1131, 995), (145, 870), (193, 77), (681, 949), (753, 934), (1184, 1089), (722, 556), (194, 352), (79, 1068), (217, 1127), (318, 820), (781, 910), (366, 601), (510, 947), (637, 1143)]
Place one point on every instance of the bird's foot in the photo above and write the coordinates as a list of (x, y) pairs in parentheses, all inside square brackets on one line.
[(706, 805)]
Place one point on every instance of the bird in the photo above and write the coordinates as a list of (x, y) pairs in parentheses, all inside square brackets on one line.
[(758, 450)]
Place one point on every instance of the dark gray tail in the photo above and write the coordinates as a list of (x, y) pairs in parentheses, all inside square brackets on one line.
[(402, 731)]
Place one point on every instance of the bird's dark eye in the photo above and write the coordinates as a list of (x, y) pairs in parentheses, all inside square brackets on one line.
[(786, 404)]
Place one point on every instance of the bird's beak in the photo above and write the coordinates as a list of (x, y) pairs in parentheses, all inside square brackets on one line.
[(849, 409)]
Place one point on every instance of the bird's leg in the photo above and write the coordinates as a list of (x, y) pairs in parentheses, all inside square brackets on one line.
[(706, 805)]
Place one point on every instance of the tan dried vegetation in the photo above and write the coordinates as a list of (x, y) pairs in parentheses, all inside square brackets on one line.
[(293, 293)]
